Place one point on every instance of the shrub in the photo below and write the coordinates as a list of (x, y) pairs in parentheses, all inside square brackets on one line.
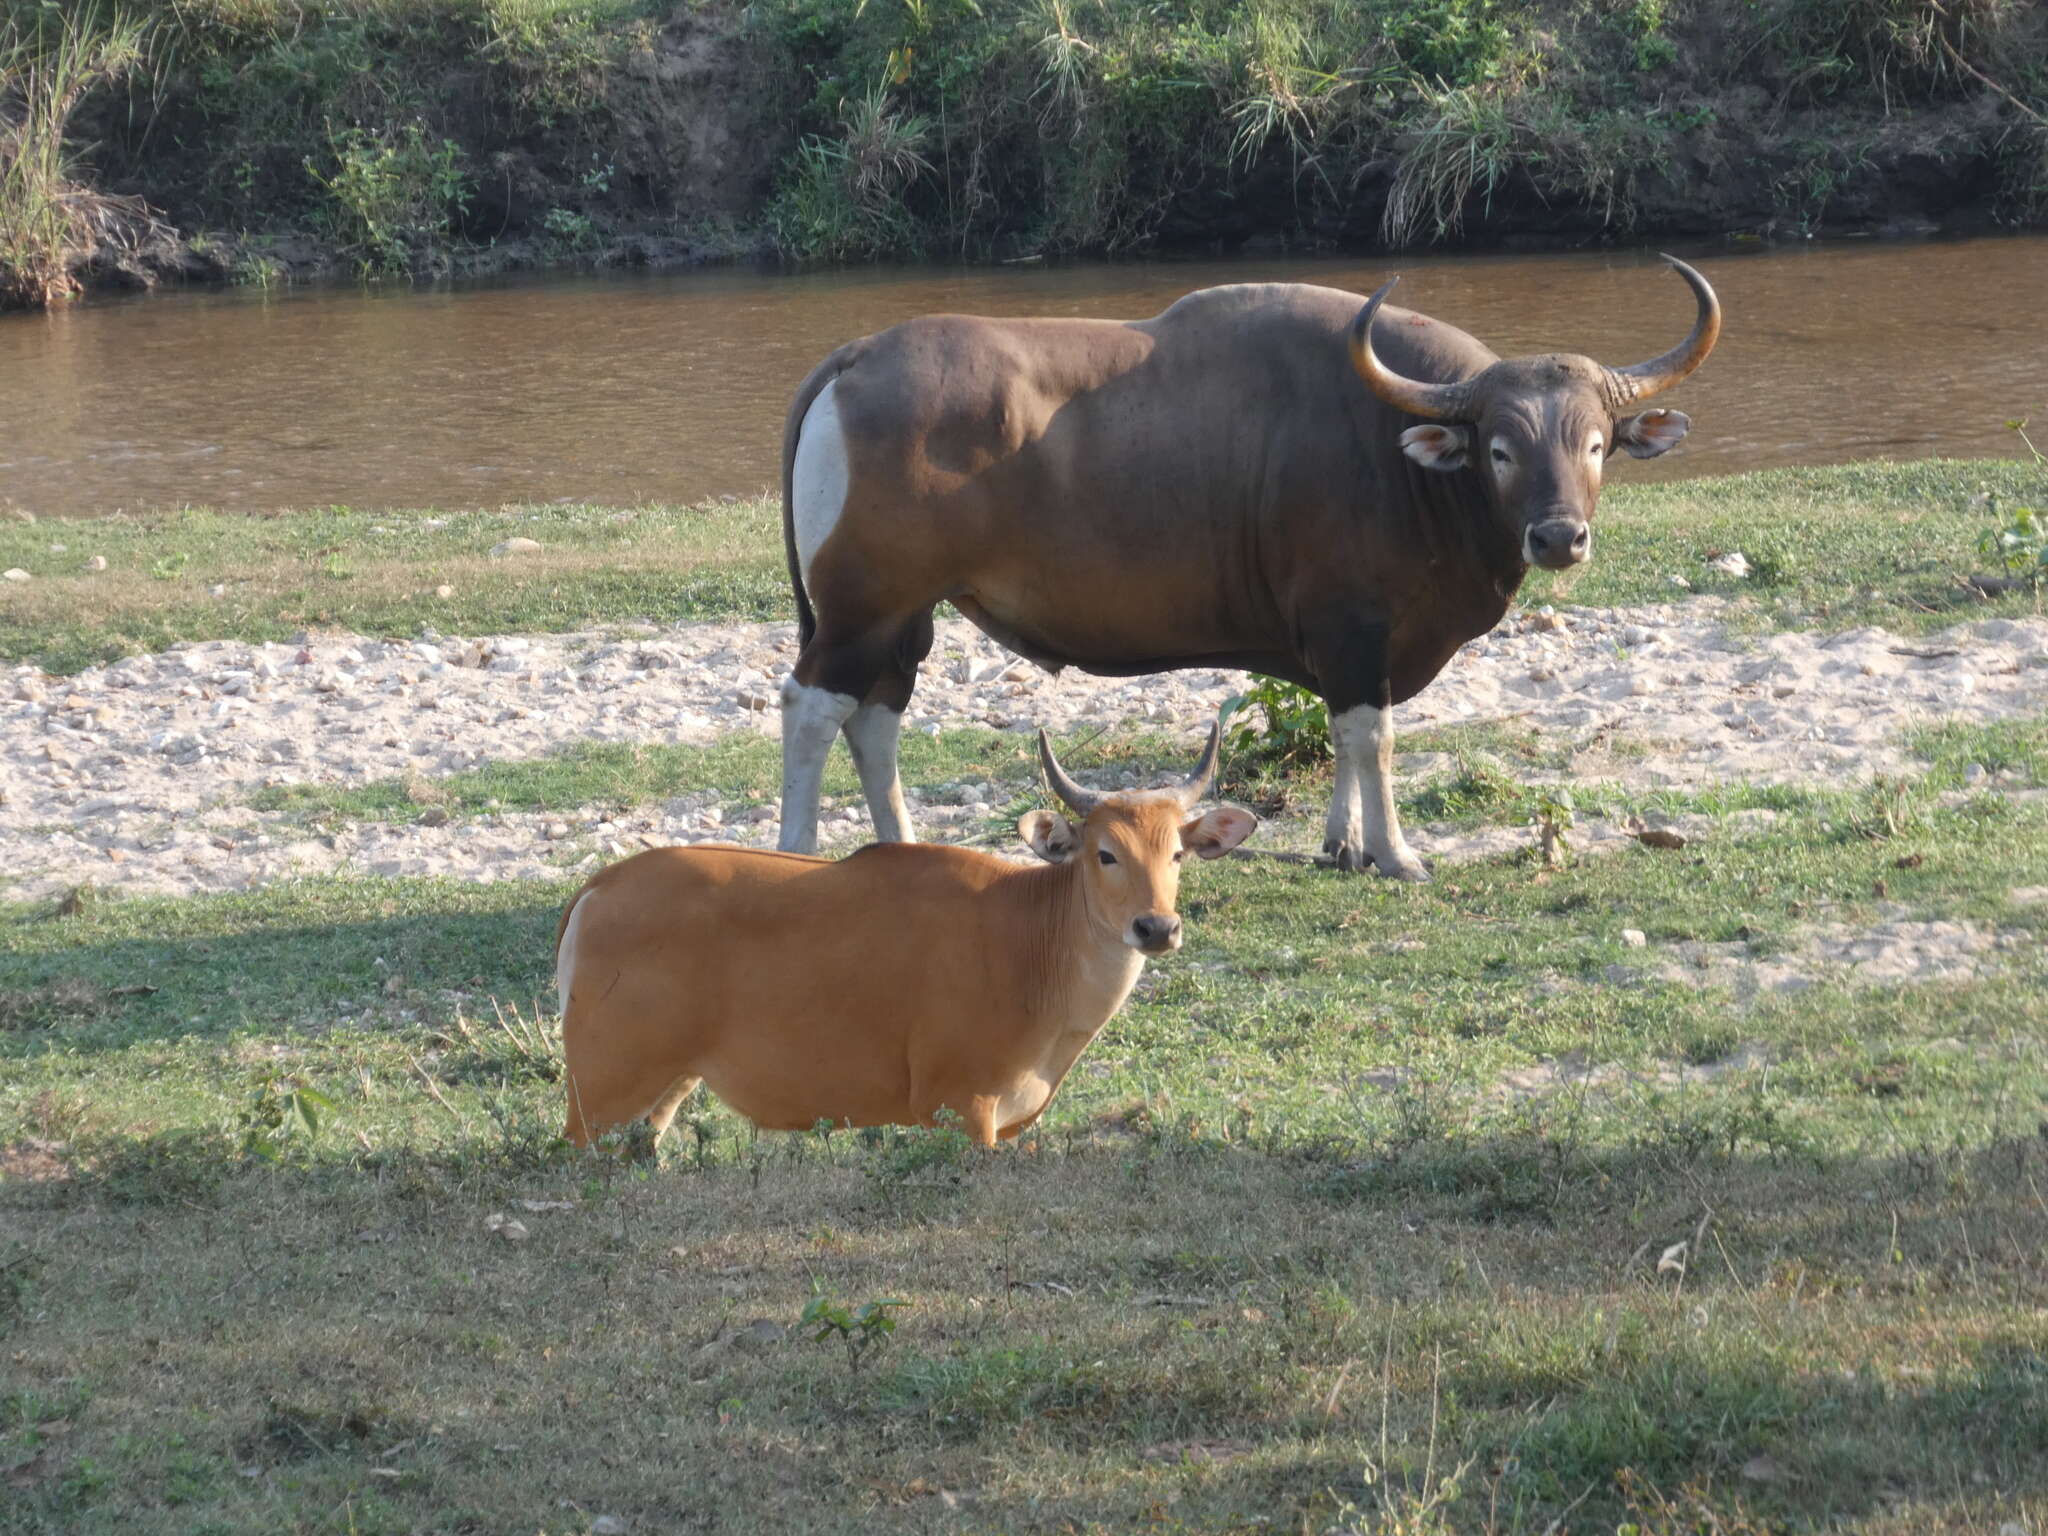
[(394, 193)]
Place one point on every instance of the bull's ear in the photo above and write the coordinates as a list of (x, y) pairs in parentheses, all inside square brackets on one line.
[(1049, 835), (1215, 833), (1652, 433), (1436, 446)]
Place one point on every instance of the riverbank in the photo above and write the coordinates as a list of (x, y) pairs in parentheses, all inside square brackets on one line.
[(257, 141)]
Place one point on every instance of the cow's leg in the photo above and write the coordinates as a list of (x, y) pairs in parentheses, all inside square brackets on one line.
[(1350, 662), (663, 1113), (1344, 832), (811, 718), (1363, 737), (873, 730)]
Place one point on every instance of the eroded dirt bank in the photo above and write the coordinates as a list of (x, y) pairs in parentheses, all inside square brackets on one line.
[(433, 136)]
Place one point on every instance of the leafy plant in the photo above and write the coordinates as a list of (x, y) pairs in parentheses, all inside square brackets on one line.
[(393, 192), (862, 1332), (900, 1155), (1292, 728), (2020, 547), (282, 1109)]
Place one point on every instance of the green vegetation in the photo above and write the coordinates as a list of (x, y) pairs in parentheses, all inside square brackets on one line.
[(50, 227), (1890, 544), (1044, 125), (381, 573), (1583, 1193), (1848, 545), (1378, 1204), (402, 134)]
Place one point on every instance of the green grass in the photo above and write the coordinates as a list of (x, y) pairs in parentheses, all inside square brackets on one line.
[(1857, 544), (1291, 1249), (378, 573), (1281, 1217), (1871, 543)]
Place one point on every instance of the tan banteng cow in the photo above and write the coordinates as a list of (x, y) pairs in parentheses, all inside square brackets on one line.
[(881, 988), (1272, 476)]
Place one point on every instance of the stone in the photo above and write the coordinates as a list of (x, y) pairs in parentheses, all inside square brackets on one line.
[(14, 573), (444, 591), (96, 563), (1731, 564), (1634, 938), (518, 546)]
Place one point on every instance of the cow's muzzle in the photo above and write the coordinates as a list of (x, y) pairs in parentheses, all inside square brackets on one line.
[(1557, 542), (1155, 933)]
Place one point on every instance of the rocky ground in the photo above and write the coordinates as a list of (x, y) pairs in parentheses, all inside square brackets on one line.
[(138, 776)]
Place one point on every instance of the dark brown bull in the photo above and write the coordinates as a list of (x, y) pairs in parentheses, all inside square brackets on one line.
[(1270, 476)]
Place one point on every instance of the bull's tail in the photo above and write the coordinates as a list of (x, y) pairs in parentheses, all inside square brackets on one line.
[(792, 429)]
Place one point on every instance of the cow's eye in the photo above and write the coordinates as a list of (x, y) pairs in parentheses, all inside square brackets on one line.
[(1501, 456), (1105, 855), (1179, 854)]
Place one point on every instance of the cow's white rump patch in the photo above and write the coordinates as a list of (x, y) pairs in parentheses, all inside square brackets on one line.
[(565, 954), (819, 478)]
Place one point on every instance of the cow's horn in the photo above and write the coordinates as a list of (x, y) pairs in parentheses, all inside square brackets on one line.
[(1080, 801), (1646, 379), (1196, 784), (1433, 402)]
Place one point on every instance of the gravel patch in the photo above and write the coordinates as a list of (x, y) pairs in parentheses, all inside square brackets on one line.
[(137, 775)]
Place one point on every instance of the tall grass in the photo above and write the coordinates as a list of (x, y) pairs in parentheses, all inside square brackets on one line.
[(51, 226)]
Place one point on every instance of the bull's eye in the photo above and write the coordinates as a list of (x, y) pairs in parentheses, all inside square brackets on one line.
[(1501, 456), (1179, 854), (1105, 855)]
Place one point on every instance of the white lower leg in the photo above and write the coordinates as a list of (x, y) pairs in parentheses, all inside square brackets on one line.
[(811, 718), (1364, 735), (871, 735), (1344, 832)]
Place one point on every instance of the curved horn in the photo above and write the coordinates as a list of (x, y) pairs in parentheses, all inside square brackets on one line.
[(1659, 373), (1080, 801), (1196, 784), (1433, 402)]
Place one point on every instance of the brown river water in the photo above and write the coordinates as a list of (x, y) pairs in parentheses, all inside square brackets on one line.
[(628, 389)]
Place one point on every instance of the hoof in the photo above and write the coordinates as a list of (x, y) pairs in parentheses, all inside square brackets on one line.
[(1350, 860), (1354, 861)]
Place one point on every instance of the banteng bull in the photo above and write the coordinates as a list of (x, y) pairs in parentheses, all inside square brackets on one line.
[(881, 988), (1270, 476)]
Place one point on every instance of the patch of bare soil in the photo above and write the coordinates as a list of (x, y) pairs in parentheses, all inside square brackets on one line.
[(137, 776)]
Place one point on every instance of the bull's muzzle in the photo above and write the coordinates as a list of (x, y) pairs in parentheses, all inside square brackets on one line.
[(1557, 543)]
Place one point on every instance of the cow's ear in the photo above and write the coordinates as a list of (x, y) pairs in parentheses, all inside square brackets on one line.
[(1049, 835), (1436, 446), (1214, 834), (1652, 433)]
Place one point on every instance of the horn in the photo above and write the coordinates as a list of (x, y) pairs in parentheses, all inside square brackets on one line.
[(1626, 385), (1433, 402), (1196, 784), (1080, 801)]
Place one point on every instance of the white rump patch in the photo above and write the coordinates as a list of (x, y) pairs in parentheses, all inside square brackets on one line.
[(565, 955), (819, 478)]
